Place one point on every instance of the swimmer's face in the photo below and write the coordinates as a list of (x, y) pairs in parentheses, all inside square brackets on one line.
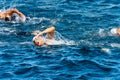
[(39, 42)]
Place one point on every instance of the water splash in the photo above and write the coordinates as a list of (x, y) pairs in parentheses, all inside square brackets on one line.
[(106, 50), (60, 40), (105, 33), (102, 33)]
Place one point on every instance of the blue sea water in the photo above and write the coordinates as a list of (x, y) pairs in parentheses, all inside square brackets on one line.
[(94, 56)]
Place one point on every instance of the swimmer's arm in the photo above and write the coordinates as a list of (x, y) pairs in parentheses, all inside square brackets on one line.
[(20, 14), (48, 30), (9, 13)]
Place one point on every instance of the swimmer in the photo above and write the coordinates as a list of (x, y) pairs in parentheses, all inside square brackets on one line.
[(7, 16), (39, 40), (115, 31)]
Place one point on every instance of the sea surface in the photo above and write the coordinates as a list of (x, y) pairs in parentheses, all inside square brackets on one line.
[(89, 52)]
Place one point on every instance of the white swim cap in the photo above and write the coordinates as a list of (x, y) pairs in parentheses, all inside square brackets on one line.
[(113, 31), (34, 38)]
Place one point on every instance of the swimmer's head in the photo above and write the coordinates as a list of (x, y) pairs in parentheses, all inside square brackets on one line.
[(38, 42), (114, 31), (8, 18)]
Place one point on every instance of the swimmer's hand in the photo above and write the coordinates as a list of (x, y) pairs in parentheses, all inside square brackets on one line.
[(37, 33), (23, 19), (40, 33)]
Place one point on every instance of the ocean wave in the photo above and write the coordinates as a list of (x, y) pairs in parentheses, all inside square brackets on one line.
[(87, 49)]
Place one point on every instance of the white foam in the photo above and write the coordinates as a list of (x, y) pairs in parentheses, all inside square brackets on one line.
[(62, 40), (115, 45), (107, 50), (59, 42), (113, 31), (101, 32), (25, 42)]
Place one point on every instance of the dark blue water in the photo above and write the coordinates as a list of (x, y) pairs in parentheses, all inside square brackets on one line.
[(95, 56)]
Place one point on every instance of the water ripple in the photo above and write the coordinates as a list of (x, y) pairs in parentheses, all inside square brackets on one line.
[(89, 52)]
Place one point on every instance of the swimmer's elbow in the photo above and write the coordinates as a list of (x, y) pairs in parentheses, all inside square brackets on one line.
[(22, 16)]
